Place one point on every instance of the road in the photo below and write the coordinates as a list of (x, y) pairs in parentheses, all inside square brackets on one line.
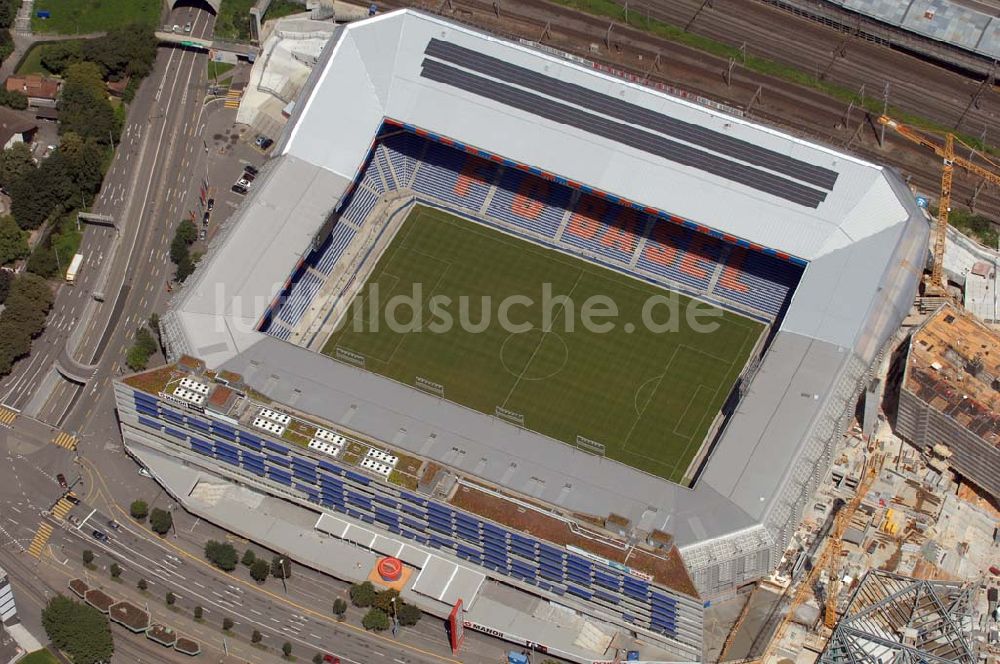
[(300, 615), (142, 190)]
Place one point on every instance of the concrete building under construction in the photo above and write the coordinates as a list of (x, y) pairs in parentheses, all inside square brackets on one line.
[(950, 395)]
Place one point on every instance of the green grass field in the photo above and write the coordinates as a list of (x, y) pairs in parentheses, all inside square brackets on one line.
[(73, 17), (648, 397)]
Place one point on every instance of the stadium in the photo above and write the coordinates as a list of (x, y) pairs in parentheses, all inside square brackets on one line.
[(657, 471)]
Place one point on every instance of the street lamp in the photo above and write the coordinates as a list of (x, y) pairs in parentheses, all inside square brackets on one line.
[(281, 562), (392, 601)]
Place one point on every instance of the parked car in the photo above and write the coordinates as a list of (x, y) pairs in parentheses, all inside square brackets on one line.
[(187, 27), (203, 235), (62, 480), (211, 204), (250, 169), (248, 176), (239, 189), (99, 536), (177, 28), (263, 142), (204, 218), (71, 497), (243, 182), (330, 659)]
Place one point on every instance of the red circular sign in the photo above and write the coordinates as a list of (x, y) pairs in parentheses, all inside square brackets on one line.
[(390, 569)]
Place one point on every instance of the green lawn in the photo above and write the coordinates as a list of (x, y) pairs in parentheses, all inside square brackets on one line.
[(234, 16), (70, 17), (648, 397), (40, 657)]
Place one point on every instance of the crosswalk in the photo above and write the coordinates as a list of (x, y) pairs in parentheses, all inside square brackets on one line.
[(41, 538), (62, 508), (65, 440), (7, 416), (233, 98)]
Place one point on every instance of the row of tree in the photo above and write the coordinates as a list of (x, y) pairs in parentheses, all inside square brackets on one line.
[(160, 520), (180, 249), (382, 605), (224, 556), (8, 12)]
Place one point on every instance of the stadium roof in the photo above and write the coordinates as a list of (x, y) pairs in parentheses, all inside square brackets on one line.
[(855, 223)]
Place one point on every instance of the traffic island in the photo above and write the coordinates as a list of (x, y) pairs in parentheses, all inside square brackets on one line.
[(162, 634), (79, 588), (129, 616), (187, 646), (99, 600)]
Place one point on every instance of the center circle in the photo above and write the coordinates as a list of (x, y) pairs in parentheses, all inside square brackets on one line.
[(534, 355)]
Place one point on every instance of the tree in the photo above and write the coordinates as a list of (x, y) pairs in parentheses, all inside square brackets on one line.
[(13, 241), (221, 554), (6, 279), (58, 56), (139, 509), (407, 614), (180, 253), (259, 570), (115, 570), (15, 162), (249, 557), (256, 637), (281, 567), (318, 658), (384, 599), (227, 624), (198, 612), (142, 584), (363, 594), (23, 318), (160, 521), (88, 557), (339, 608), (171, 598), (145, 345), (286, 649), (80, 630), (13, 98), (84, 108), (375, 620)]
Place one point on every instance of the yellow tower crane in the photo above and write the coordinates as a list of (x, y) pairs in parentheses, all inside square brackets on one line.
[(936, 285)]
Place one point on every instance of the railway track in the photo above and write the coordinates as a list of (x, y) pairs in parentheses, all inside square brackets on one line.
[(798, 109)]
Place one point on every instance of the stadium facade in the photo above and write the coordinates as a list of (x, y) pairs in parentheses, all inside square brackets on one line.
[(744, 203)]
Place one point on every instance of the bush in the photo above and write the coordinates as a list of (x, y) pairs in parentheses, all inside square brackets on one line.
[(248, 557), (221, 554), (171, 598), (408, 615), (385, 598), (281, 567), (160, 521), (139, 510), (227, 624), (198, 612), (115, 570), (318, 658), (142, 584), (88, 557), (259, 570), (363, 594), (80, 630), (286, 649), (375, 620), (256, 637), (339, 608)]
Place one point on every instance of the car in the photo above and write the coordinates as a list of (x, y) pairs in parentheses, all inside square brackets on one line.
[(211, 204), (71, 497), (248, 176), (144, 472), (113, 525), (99, 536), (204, 218), (62, 480), (266, 143), (243, 182), (177, 28), (203, 235), (330, 659), (250, 169), (239, 190), (187, 27)]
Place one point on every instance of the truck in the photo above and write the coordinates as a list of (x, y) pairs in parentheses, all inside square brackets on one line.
[(74, 268)]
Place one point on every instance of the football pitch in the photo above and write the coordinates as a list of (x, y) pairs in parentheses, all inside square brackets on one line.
[(645, 397)]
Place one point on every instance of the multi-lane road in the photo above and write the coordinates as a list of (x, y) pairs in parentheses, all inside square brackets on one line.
[(144, 191)]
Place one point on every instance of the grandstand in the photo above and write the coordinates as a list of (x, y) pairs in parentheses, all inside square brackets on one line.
[(822, 249)]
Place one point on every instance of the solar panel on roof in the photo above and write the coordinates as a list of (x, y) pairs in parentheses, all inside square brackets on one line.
[(655, 144)]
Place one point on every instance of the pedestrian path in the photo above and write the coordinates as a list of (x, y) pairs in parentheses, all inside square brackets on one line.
[(233, 98), (65, 440), (7, 416), (62, 508), (41, 538)]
